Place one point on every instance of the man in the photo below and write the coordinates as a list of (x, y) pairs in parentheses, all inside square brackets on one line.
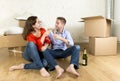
[(60, 39)]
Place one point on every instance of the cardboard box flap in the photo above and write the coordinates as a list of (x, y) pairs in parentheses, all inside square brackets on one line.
[(94, 17), (82, 21), (109, 20), (21, 18)]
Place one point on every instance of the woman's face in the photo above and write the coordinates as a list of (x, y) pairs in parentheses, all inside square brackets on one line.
[(37, 25)]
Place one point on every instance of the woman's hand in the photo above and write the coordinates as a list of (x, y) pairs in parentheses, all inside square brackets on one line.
[(47, 33), (44, 47)]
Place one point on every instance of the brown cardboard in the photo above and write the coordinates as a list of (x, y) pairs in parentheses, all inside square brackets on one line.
[(22, 23), (12, 41), (97, 26), (103, 46), (20, 48)]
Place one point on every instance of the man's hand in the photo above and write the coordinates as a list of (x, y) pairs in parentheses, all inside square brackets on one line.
[(56, 36)]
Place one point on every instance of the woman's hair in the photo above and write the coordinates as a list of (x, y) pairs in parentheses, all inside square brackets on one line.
[(28, 26)]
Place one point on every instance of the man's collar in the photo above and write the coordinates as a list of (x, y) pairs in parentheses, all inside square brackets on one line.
[(62, 31)]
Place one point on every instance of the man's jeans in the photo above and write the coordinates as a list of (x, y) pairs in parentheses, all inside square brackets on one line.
[(74, 51), (35, 57)]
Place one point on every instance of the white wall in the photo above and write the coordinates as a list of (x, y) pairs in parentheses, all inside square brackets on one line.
[(48, 10), (116, 27)]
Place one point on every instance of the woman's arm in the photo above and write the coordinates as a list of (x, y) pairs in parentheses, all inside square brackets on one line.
[(44, 35)]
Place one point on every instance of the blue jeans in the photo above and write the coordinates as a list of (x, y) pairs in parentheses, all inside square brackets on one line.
[(35, 57), (74, 51)]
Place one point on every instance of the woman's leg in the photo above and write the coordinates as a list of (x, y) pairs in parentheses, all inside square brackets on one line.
[(31, 54)]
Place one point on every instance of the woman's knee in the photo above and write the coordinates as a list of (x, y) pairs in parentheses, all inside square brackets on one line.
[(31, 44)]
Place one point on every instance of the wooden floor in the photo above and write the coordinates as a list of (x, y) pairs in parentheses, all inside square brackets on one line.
[(100, 68)]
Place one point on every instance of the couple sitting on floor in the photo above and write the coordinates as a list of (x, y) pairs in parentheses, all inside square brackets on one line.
[(37, 53)]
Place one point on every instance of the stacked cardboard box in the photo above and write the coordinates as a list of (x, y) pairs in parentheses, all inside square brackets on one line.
[(22, 23), (19, 45), (12, 41), (100, 41)]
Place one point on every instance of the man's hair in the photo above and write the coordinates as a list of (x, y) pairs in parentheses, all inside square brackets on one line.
[(62, 19)]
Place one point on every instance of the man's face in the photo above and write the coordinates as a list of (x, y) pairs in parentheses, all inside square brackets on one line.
[(59, 25)]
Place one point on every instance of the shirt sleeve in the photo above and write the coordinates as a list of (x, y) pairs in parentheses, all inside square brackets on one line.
[(50, 36), (47, 40), (69, 38)]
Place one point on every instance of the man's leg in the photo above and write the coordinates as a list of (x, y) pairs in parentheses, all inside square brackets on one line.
[(49, 56), (74, 51)]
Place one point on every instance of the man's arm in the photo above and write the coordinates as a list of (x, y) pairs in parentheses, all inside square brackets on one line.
[(68, 39), (61, 38)]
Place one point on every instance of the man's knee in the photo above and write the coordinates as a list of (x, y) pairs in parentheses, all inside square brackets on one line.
[(77, 47)]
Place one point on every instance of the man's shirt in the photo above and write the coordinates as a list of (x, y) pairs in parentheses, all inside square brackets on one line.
[(58, 44)]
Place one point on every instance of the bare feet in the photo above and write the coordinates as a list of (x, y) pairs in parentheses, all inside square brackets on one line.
[(17, 67), (72, 70), (44, 73), (59, 71)]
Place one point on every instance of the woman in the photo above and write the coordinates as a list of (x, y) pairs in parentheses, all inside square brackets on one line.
[(38, 41)]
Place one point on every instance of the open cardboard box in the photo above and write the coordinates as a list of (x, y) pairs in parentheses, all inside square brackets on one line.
[(97, 26)]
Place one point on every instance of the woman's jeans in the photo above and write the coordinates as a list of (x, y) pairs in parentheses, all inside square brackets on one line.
[(35, 57), (50, 55)]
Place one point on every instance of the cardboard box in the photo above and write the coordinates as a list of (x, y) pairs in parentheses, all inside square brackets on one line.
[(22, 23), (12, 41), (16, 51), (97, 26), (20, 48), (103, 46)]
